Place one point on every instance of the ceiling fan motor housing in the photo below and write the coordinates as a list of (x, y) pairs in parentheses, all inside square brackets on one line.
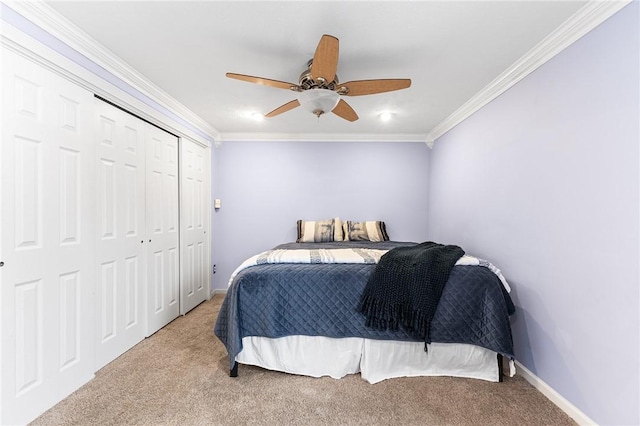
[(306, 82)]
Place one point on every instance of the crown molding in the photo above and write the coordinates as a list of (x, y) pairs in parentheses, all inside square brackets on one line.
[(322, 137), (49, 20), (430, 142), (587, 18)]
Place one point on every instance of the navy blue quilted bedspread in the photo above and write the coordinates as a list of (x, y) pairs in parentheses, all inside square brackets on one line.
[(277, 300)]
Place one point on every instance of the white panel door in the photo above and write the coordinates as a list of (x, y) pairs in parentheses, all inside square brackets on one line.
[(47, 247), (162, 228), (194, 224), (120, 247)]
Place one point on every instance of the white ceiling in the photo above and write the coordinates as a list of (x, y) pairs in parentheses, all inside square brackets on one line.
[(450, 50)]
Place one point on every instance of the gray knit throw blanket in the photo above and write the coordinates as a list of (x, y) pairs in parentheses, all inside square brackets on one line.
[(405, 287)]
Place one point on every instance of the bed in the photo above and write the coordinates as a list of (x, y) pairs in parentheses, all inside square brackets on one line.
[(301, 316)]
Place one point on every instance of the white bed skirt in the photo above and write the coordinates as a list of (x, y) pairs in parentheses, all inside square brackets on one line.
[(375, 360)]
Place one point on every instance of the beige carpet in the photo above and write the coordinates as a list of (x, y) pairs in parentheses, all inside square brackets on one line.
[(179, 376)]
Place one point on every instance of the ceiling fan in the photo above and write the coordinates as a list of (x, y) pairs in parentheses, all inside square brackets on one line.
[(319, 90)]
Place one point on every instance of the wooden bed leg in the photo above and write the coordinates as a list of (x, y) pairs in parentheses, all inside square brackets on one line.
[(500, 372), (234, 370)]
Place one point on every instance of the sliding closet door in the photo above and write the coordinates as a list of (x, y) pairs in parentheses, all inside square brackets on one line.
[(194, 223), (120, 227), (46, 244), (163, 260)]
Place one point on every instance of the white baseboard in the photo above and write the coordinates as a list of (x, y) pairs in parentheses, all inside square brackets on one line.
[(218, 291), (553, 396)]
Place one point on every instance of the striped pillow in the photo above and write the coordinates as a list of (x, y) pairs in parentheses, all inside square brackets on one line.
[(371, 230), (317, 231)]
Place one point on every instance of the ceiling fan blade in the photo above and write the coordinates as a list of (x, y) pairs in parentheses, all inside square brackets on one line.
[(370, 87), (345, 111), (325, 60), (262, 81), (284, 108)]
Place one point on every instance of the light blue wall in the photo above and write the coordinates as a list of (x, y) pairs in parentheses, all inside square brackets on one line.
[(544, 182), (265, 187)]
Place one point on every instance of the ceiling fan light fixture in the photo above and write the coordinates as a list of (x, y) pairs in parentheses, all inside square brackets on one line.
[(318, 101)]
